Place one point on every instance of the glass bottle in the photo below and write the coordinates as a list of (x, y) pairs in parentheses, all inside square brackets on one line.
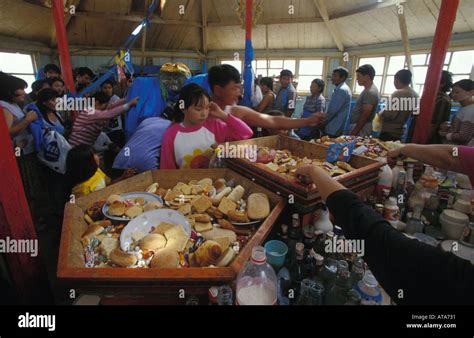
[(328, 273), (447, 190), (337, 294), (358, 270), (324, 224), (311, 293), (414, 224), (283, 234), (224, 296), (395, 171), (368, 290), (429, 180), (284, 285), (308, 236), (257, 281), (297, 269), (400, 193), (353, 298), (319, 245), (410, 179), (431, 211), (295, 235)]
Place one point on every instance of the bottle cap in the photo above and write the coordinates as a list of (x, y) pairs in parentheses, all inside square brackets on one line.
[(258, 255), (299, 247), (369, 279)]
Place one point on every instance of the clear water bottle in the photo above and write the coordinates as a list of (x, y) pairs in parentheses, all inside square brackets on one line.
[(257, 281)]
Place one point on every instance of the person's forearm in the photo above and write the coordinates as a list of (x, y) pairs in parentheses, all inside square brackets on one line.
[(361, 123), (439, 155), (325, 184), (19, 127)]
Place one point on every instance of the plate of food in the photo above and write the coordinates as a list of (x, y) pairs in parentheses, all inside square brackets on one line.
[(168, 226), (126, 207)]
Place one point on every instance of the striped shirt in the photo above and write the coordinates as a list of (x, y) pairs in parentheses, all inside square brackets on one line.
[(89, 123)]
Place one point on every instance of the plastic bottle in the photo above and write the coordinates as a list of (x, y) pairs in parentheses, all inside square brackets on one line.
[(391, 212), (357, 271), (395, 171), (414, 224), (324, 223), (385, 181), (410, 179), (429, 180), (257, 281), (368, 290)]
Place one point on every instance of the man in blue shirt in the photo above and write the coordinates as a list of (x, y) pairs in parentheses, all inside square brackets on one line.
[(338, 110)]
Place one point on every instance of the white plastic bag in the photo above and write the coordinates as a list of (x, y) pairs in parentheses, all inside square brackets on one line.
[(54, 151)]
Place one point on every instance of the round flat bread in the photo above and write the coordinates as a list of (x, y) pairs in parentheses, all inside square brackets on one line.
[(165, 259), (153, 242)]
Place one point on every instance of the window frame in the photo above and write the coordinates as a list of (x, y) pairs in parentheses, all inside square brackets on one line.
[(20, 75)]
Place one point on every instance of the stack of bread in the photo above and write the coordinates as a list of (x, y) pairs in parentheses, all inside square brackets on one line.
[(211, 208)]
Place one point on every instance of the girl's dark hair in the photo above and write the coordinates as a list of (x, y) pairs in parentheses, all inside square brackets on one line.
[(465, 84), (80, 165), (190, 95), (320, 83), (45, 95), (8, 85), (446, 81), (267, 81)]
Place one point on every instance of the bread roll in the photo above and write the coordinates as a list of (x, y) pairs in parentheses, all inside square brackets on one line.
[(152, 242), (220, 185), (208, 253), (226, 258), (117, 208), (205, 181), (165, 259), (237, 194), (107, 245), (122, 259), (258, 206), (218, 198), (114, 198), (134, 211), (152, 189), (218, 232), (92, 231), (150, 206)]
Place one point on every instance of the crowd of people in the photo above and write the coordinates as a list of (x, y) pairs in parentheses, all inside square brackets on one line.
[(96, 153), (94, 137)]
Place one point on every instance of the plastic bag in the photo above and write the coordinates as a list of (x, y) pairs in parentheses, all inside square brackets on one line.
[(340, 152), (54, 151)]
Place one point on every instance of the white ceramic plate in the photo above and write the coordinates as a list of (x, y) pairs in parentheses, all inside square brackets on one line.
[(249, 223), (147, 196), (144, 223)]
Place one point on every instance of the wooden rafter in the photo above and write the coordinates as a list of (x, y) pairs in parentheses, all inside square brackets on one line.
[(204, 13), (336, 35), (368, 8)]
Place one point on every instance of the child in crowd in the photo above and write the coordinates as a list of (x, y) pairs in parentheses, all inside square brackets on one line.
[(83, 174), (268, 102), (90, 122), (114, 129), (286, 97), (316, 103), (198, 125), (57, 84)]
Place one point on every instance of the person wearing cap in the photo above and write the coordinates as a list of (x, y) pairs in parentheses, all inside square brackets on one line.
[(366, 105)]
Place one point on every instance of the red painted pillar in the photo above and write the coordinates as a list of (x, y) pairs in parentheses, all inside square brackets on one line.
[(248, 19), (26, 272), (63, 47), (444, 28)]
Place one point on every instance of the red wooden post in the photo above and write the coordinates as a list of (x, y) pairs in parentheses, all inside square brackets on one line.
[(444, 28), (248, 19), (63, 47), (27, 272)]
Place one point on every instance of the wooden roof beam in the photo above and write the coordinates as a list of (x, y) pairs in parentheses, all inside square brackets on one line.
[(336, 35), (368, 8)]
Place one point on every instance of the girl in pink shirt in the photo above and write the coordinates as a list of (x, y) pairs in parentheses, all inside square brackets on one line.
[(198, 125)]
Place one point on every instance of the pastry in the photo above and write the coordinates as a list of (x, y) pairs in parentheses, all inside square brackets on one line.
[(114, 198), (238, 217), (218, 198), (205, 181), (202, 227), (224, 242), (140, 201), (88, 219), (202, 204), (185, 209), (152, 242), (226, 258), (237, 193), (122, 259), (162, 228), (258, 206), (134, 212), (214, 212), (176, 238), (107, 245), (117, 208), (171, 195), (197, 189), (208, 253), (227, 205), (218, 232), (202, 218), (152, 189), (220, 185), (165, 259), (92, 231), (152, 206)]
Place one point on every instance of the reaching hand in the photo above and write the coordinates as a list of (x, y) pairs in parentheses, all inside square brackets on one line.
[(303, 174), (134, 101), (216, 111)]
